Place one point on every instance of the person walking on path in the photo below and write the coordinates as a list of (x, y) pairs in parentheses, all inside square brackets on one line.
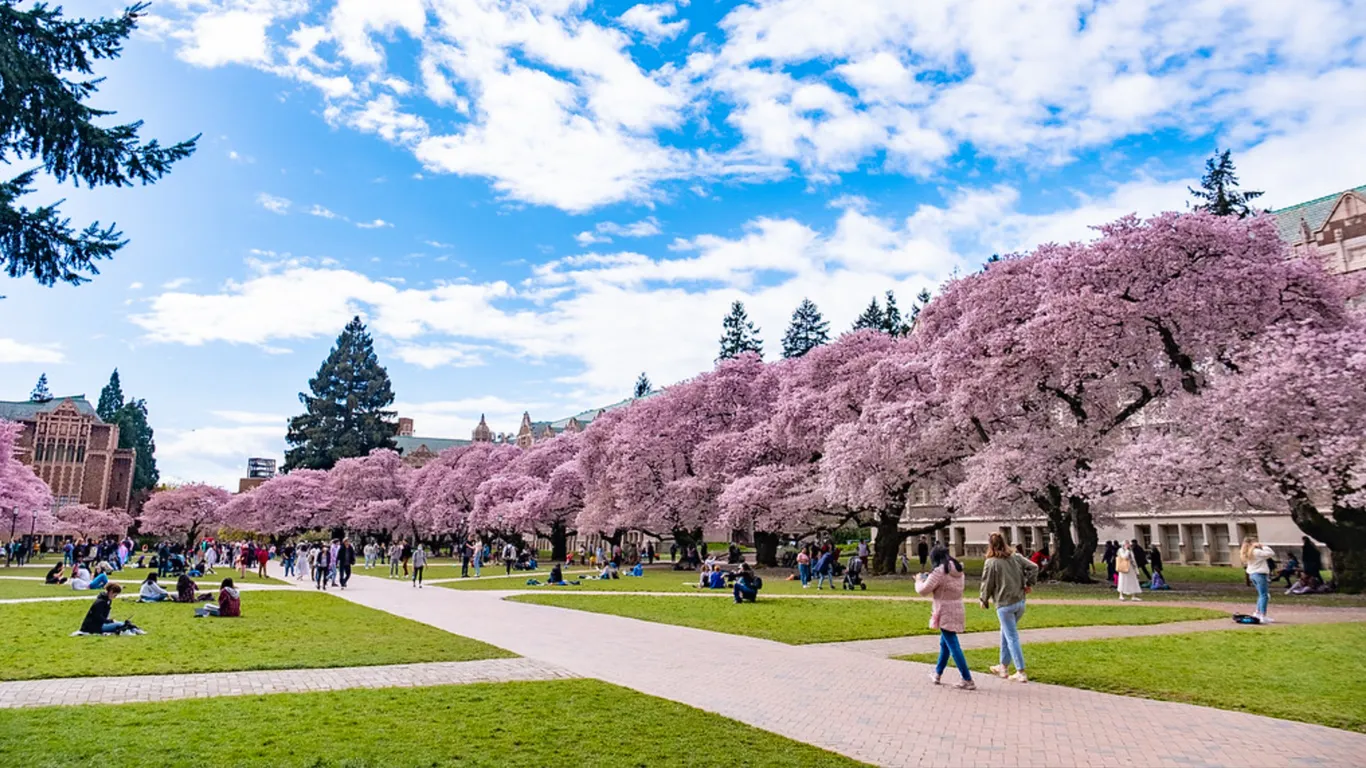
[(1126, 566), (322, 564), (419, 562), (477, 555), (395, 553), (825, 569), (804, 568), (1140, 558), (262, 557), (1006, 578), (1311, 560), (922, 551), (944, 583), (510, 556), (1255, 562), (346, 560)]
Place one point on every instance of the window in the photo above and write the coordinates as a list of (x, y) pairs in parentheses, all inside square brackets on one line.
[(80, 454)]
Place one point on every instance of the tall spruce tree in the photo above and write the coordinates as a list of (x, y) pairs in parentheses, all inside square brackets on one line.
[(111, 398), (1219, 193), (872, 317), (46, 65), (892, 323), (345, 415), (807, 330), (738, 334), (40, 393), (643, 386), (921, 300), (136, 432)]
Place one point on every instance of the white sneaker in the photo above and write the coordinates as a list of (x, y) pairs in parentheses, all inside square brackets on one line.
[(1268, 620), (1137, 599), (1000, 671), (966, 685), (1019, 677), (934, 678)]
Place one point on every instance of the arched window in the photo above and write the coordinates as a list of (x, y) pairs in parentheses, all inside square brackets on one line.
[(80, 454), (37, 451)]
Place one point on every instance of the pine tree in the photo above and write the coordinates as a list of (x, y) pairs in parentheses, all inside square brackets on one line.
[(1219, 189), (892, 323), (807, 330), (111, 398), (344, 416), (643, 386), (738, 334), (921, 300), (46, 67), (871, 317), (135, 432), (40, 392)]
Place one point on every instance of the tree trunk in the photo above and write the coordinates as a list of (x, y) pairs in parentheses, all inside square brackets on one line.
[(887, 542), (1078, 567), (1349, 570), (559, 542), (766, 548)]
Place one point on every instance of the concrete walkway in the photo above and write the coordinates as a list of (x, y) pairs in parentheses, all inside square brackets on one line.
[(869, 708), (125, 690)]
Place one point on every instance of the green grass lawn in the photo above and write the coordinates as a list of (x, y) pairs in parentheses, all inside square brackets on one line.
[(561, 723), (1293, 672), (31, 585), (828, 621), (277, 630)]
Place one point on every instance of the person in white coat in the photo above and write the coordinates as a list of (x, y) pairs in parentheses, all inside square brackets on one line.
[(1256, 562), (1127, 569)]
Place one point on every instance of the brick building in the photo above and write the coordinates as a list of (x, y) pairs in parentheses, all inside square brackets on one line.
[(73, 451)]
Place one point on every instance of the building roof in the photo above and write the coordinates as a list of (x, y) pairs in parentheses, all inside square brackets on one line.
[(406, 444), (23, 410), (583, 417), (1313, 213)]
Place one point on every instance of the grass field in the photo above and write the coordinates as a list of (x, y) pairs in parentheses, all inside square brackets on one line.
[(563, 723), (30, 584), (277, 630), (827, 621), (1294, 672)]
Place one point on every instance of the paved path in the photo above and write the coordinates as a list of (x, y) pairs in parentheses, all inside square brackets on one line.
[(123, 690), (883, 711)]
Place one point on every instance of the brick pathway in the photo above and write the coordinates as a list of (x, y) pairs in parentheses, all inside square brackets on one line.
[(123, 690), (869, 708)]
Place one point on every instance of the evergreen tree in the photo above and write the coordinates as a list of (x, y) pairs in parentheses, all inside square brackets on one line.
[(643, 386), (40, 392), (921, 299), (111, 398), (892, 323), (738, 334), (1219, 193), (344, 416), (871, 317), (807, 330), (46, 67), (135, 432)]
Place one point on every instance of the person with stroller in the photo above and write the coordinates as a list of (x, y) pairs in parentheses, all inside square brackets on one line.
[(853, 575)]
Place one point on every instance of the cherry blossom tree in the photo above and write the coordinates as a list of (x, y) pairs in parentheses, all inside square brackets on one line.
[(1288, 429), (297, 501), (87, 521), (540, 492), (1045, 361), (25, 500), (444, 489), (189, 510), (371, 493)]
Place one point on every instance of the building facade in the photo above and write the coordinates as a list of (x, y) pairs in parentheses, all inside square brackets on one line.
[(73, 451), (417, 451), (1333, 228)]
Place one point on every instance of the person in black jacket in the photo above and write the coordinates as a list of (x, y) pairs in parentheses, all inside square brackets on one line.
[(1140, 558), (346, 557), (97, 618), (1155, 558), (1311, 560), (747, 585)]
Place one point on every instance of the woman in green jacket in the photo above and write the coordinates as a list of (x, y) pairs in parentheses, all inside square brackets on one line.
[(1006, 578)]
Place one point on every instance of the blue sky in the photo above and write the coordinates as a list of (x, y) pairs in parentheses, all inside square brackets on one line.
[(532, 202)]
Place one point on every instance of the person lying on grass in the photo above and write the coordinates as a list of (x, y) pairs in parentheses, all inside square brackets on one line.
[(97, 618), (229, 603)]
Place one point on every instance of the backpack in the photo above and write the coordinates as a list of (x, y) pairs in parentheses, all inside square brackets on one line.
[(1243, 618)]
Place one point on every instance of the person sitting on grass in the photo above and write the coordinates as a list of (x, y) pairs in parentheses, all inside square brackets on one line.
[(101, 577), (56, 575), (229, 603), (97, 618), (636, 570), (80, 576), (747, 585), (609, 571), (186, 591), (151, 591)]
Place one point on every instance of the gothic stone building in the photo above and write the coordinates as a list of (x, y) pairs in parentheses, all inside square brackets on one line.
[(417, 451), (73, 451)]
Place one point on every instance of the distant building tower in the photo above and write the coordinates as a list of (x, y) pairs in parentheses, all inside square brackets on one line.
[(405, 427), (261, 468), (525, 437), (482, 433)]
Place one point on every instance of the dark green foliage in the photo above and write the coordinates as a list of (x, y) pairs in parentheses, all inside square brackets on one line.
[(872, 317), (738, 334), (921, 299), (892, 323), (111, 398), (807, 330), (1218, 193), (643, 386), (136, 433), (345, 416), (40, 393), (43, 117)]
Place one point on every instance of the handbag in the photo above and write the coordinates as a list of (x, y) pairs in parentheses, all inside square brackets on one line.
[(1122, 564)]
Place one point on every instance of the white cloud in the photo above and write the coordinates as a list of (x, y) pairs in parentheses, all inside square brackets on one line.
[(215, 453), (606, 230), (179, 282), (376, 224), (438, 244), (440, 355), (135, 286), (250, 417), (14, 351), (320, 211), (649, 21), (273, 203), (457, 418)]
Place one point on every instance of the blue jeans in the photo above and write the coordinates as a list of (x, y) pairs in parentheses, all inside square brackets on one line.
[(1263, 584), (821, 578), (804, 570), (289, 566), (1009, 616), (948, 645), (113, 626), (744, 594)]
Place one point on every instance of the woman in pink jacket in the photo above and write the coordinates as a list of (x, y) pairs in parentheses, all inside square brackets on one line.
[(944, 583)]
